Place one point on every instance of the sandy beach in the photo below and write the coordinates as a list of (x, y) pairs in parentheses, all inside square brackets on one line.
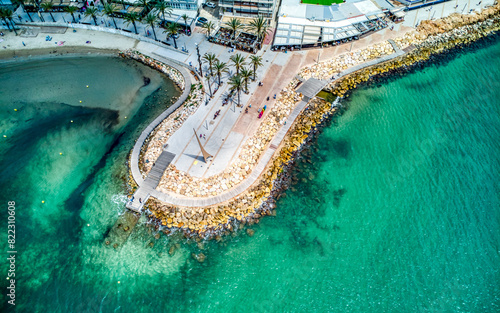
[(72, 42)]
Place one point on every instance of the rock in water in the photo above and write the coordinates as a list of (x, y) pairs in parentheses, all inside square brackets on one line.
[(199, 257), (171, 251), (250, 232)]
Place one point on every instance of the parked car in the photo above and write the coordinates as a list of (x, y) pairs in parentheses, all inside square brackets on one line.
[(210, 5), (200, 21)]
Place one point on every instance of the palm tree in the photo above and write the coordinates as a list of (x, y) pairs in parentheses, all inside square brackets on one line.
[(151, 19), (3, 16), (144, 3), (256, 61), (236, 83), (238, 62), (208, 27), (234, 24), (210, 58), (220, 67), (132, 18), (185, 17), (245, 74), (259, 26), (37, 6), (172, 30), (6, 15), (92, 12), (47, 7), (163, 7), (109, 10), (71, 10), (21, 3)]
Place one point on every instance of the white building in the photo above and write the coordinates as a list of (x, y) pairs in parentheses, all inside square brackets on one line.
[(250, 8), (303, 25)]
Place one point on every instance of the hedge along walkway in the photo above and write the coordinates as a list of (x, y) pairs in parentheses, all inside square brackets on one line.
[(145, 190), (311, 85)]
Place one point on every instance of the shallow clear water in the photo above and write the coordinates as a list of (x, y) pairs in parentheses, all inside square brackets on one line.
[(395, 208)]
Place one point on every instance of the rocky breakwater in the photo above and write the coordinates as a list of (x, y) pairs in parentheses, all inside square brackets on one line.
[(258, 200), (178, 182), (328, 69), (248, 207), (431, 39), (153, 146), (171, 72)]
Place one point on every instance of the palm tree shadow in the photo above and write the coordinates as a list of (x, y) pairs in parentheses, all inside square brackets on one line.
[(226, 94), (196, 157)]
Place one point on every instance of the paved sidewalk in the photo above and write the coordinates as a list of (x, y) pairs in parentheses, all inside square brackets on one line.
[(310, 89)]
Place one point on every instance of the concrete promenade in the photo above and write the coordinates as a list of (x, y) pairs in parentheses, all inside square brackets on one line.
[(309, 88), (225, 135), (145, 133)]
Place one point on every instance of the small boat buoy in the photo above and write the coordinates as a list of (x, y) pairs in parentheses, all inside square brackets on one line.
[(60, 153), (43, 201), (80, 101), (87, 86), (71, 121), (4, 136), (15, 110)]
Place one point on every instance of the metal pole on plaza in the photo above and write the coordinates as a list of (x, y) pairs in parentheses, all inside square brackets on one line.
[(199, 58)]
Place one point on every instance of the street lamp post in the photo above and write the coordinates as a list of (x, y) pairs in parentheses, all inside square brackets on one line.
[(199, 58)]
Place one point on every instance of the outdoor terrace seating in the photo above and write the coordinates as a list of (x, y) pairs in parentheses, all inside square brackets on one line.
[(244, 41)]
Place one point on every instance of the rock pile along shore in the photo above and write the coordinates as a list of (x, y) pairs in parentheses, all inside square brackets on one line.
[(431, 37), (153, 146)]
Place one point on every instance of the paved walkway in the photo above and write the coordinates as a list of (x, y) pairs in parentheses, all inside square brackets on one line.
[(310, 86), (145, 133), (151, 182), (243, 186)]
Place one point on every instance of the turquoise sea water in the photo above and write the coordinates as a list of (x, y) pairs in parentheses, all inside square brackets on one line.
[(395, 207)]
